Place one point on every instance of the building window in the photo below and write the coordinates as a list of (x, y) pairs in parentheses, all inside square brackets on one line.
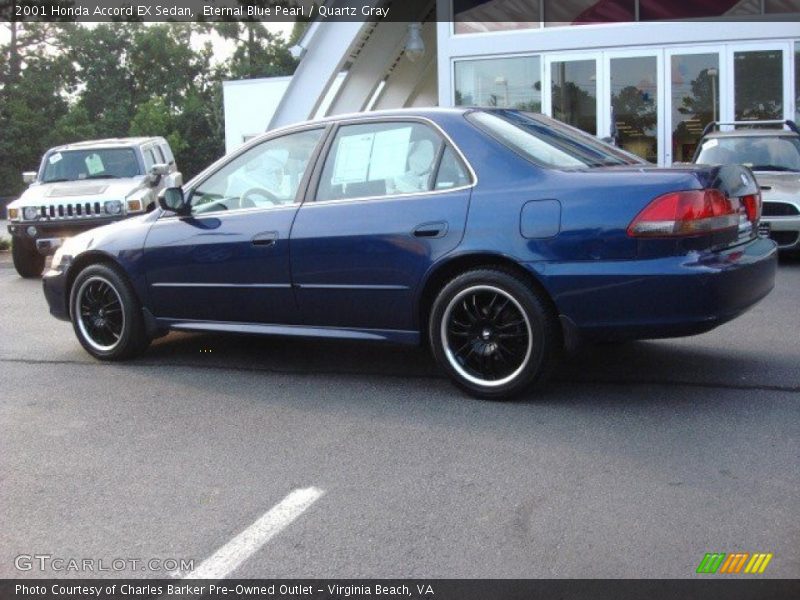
[(481, 16), (502, 82), (758, 84), (634, 94), (574, 90), (695, 100)]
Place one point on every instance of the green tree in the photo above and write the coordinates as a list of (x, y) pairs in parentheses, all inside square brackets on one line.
[(155, 117)]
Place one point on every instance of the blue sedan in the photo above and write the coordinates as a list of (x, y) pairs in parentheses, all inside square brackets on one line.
[(497, 237)]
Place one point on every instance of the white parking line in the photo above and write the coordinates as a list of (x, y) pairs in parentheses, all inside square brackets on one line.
[(243, 546)]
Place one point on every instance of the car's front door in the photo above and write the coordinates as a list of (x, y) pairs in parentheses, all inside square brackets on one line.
[(391, 198), (229, 259)]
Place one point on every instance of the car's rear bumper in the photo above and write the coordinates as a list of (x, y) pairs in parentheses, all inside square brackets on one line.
[(666, 297), (785, 231)]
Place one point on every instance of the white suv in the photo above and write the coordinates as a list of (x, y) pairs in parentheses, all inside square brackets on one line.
[(85, 185)]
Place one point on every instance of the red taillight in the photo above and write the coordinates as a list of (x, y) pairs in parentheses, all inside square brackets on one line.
[(752, 204), (686, 213)]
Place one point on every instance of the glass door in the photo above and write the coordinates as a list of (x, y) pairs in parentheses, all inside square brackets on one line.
[(634, 103), (694, 83), (571, 92)]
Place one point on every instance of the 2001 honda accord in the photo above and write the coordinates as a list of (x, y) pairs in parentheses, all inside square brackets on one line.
[(497, 236)]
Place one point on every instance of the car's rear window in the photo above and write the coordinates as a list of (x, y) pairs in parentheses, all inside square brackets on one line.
[(548, 142), (760, 153)]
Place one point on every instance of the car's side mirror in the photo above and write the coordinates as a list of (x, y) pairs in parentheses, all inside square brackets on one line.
[(29, 176), (173, 200), (156, 172), (173, 180)]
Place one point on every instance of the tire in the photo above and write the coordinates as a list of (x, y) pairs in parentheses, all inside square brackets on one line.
[(27, 260), (106, 314), (493, 334)]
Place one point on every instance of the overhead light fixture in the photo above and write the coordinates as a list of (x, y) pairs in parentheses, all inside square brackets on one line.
[(415, 46), (297, 51)]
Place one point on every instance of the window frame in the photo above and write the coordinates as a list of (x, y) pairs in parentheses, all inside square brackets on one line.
[(313, 188)]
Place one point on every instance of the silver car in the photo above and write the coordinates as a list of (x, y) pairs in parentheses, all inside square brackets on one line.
[(774, 157), (85, 185)]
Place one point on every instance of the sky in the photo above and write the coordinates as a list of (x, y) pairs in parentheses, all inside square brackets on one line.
[(222, 48)]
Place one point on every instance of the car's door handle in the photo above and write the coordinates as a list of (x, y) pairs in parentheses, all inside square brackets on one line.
[(266, 238), (431, 230)]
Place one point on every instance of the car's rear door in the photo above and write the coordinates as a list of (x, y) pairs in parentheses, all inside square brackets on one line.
[(229, 259), (388, 200)]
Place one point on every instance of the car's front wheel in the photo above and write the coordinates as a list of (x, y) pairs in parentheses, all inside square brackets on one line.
[(493, 333), (27, 260), (106, 314)]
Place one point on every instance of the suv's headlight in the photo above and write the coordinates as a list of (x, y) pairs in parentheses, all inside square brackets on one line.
[(30, 213), (113, 207)]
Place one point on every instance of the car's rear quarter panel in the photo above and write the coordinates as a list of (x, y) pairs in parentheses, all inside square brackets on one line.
[(602, 280)]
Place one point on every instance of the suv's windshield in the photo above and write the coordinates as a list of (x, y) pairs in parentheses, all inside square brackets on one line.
[(548, 142), (760, 153), (98, 163)]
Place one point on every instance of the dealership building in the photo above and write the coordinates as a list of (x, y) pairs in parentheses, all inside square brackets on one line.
[(650, 74)]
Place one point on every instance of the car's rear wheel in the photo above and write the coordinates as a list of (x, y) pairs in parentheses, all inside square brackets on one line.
[(106, 314), (27, 260), (493, 333)]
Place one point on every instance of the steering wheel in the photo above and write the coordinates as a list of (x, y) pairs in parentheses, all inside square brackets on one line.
[(246, 202)]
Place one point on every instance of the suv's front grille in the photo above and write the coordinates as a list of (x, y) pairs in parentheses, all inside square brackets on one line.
[(72, 210), (779, 209), (784, 238)]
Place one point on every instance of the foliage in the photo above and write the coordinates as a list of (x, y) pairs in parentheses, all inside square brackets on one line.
[(62, 82)]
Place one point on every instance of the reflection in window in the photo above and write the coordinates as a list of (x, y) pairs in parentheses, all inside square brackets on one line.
[(574, 88), (758, 82), (559, 13), (633, 103), (658, 10), (695, 100), (501, 82), (797, 81), (781, 6), (479, 16)]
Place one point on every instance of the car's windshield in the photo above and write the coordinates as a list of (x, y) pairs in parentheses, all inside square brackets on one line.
[(96, 163), (548, 142), (760, 153)]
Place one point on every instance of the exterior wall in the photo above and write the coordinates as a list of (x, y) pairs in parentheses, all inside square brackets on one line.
[(249, 105), (604, 43)]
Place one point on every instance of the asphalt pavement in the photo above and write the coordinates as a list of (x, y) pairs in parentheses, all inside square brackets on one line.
[(634, 462)]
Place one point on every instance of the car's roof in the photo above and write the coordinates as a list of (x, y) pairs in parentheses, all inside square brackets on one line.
[(430, 113), (760, 132), (109, 143)]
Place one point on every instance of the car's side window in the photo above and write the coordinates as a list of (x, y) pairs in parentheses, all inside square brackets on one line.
[(266, 175), (149, 158), (451, 173), (380, 159), (167, 152)]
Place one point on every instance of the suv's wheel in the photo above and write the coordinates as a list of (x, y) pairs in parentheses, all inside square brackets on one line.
[(493, 334), (27, 260), (106, 314)]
